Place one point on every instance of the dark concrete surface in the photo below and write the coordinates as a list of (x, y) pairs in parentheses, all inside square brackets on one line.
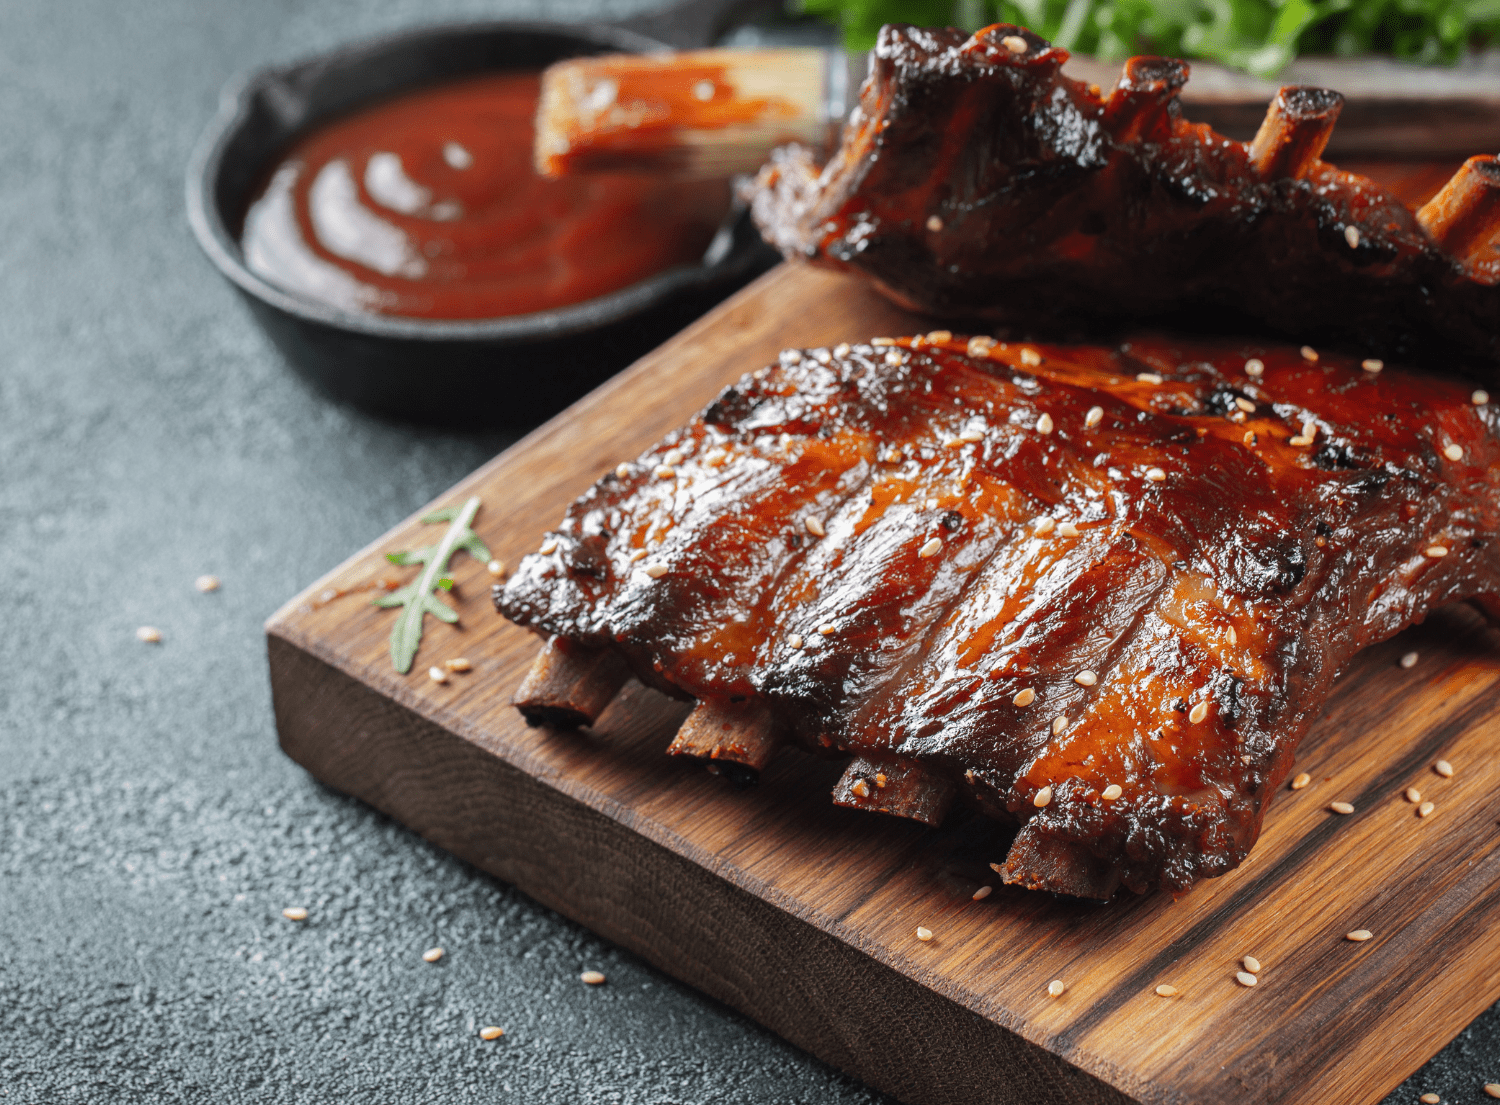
[(150, 831)]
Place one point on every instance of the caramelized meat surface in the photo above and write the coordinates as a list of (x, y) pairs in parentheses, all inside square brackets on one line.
[(1100, 592), (976, 182)]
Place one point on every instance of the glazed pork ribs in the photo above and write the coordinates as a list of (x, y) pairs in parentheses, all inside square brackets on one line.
[(1098, 592), (975, 181)]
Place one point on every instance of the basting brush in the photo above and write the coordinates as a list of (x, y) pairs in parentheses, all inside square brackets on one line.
[(698, 113)]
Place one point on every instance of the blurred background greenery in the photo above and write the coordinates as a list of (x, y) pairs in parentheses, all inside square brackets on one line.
[(1258, 36)]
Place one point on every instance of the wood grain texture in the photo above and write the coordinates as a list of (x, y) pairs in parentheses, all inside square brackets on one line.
[(803, 914)]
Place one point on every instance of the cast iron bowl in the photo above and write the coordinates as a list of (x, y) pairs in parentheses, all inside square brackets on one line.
[(503, 371)]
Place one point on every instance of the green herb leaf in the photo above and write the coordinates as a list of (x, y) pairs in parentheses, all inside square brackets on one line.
[(417, 599)]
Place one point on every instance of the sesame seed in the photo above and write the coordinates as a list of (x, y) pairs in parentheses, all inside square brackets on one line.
[(549, 546), (1436, 552), (1043, 798), (792, 356), (458, 663), (1451, 451), (1014, 43), (934, 223), (206, 583), (1425, 808), (1429, 1099), (980, 345), (1057, 988), (1155, 475), (882, 341), (664, 472), (842, 349), (1413, 795), (982, 893), (1085, 678), (593, 978), (1148, 377), (1044, 424), (971, 436), (1067, 529), (491, 1032), (1251, 964), (1030, 356), (932, 548), (1359, 936), (1059, 723), (1111, 792), (827, 628), (860, 788), (1341, 807), (923, 935), (1301, 781), (893, 357), (1024, 697), (814, 526), (795, 640), (1094, 417), (1254, 366), (1409, 660), (655, 571), (1167, 991), (1351, 235), (1492, 1088), (1044, 526), (1299, 440), (432, 955), (294, 913), (1372, 365), (1443, 768), (639, 554), (437, 675), (1309, 354), (1244, 405), (495, 567), (149, 634), (1479, 399), (1234, 636), (1250, 438), (674, 456), (1245, 978), (1198, 713), (880, 779)]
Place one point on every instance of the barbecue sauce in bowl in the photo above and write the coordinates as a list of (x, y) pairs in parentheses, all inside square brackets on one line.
[(427, 206)]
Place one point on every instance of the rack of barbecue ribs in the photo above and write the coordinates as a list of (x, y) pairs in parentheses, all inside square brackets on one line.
[(1099, 592), (976, 182)]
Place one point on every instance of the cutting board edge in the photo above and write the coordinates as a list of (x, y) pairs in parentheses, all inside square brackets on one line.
[(318, 738)]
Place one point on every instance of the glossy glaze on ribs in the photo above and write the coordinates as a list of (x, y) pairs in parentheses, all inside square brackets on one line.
[(976, 182), (884, 546)]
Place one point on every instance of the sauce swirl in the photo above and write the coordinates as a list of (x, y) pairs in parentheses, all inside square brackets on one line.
[(427, 206)]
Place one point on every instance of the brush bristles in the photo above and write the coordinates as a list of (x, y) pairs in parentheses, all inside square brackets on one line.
[(699, 113)]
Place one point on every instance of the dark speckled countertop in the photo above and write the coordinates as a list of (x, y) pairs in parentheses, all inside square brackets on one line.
[(150, 830)]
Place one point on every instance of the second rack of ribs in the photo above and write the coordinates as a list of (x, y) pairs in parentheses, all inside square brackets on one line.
[(1099, 592)]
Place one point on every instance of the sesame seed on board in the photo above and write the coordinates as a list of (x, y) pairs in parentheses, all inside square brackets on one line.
[(437, 674), (982, 893), (1166, 990), (458, 663), (924, 934), (1245, 978), (1413, 795), (1302, 780), (1057, 988), (1358, 936), (1409, 660), (1251, 964), (1443, 768), (1341, 807), (1425, 809)]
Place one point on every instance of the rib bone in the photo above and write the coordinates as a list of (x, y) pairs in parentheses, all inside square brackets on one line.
[(1465, 216), (894, 785), (1296, 129), (1145, 100), (737, 739), (569, 685)]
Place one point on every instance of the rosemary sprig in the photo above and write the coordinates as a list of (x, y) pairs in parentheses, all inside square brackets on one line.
[(418, 598)]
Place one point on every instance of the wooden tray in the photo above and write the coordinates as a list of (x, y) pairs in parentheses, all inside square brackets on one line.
[(802, 915)]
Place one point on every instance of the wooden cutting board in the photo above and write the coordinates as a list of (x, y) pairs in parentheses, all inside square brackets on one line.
[(803, 915)]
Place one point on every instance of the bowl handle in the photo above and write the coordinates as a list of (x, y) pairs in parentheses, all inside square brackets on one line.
[(692, 24)]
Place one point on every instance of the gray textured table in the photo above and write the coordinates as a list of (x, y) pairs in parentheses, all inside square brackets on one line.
[(150, 831)]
